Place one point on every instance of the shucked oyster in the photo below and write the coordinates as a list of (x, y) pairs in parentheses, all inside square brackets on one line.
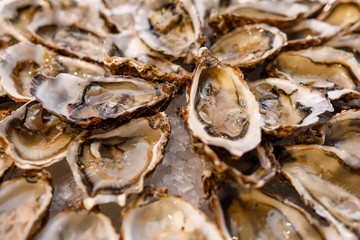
[(76, 30), (221, 110), (35, 138), (9, 35), (258, 214), (125, 53), (248, 45), (89, 101), (20, 62), (159, 216), (171, 27), (276, 13), (110, 165), (320, 177), (286, 106), (320, 67), (23, 203), (78, 224)]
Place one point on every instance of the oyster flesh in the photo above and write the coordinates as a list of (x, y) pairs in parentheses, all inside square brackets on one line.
[(157, 215), (221, 109), (248, 45), (78, 224), (91, 100), (110, 165), (23, 203)]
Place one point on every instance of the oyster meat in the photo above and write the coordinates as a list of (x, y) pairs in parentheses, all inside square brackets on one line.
[(248, 45), (110, 165), (20, 62), (78, 224), (91, 100), (23, 203), (171, 27), (286, 106), (221, 109), (157, 215), (35, 138), (320, 177), (125, 53)]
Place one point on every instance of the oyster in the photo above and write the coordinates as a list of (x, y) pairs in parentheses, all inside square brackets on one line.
[(349, 42), (276, 13), (310, 32), (259, 214), (286, 106), (157, 215), (76, 31), (171, 27), (23, 203), (78, 224), (125, 53), (341, 13), (343, 131), (320, 67), (221, 110), (110, 165), (9, 35), (254, 169), (35, 138), (89, 101), (248, 45), (22, 61), (318, 174)]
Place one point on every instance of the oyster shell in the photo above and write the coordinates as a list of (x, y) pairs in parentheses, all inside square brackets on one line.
[(343, 13), (76, 31), (320, 67), (259, 214), (310, 32), (20, 62), (221, 110), (23, 203), (125, 53), (110, 165), (349, 42), (343, 131), (35, 138), (9, 35), (89, 101), (330, 188), (171, 27), (276, 13), (286, 106), (248, 45), (157, 215), (5, 160), (78, 224)]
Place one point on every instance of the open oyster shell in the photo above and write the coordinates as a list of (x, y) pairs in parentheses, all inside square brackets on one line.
[(35, 138), (157, 215), (259, 214), (110, 165), (248, 45), (286, 106), (78, 224), (75, 30), (125, 53), (276, 13), (20, 62), (9, 35), (91, 100), (310, 32), (171, 27), (23, 203), (320, 67), (342, 13), (323, 181), (221, 109)]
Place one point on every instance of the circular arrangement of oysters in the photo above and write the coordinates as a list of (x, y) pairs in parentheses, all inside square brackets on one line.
[(270, 93)]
